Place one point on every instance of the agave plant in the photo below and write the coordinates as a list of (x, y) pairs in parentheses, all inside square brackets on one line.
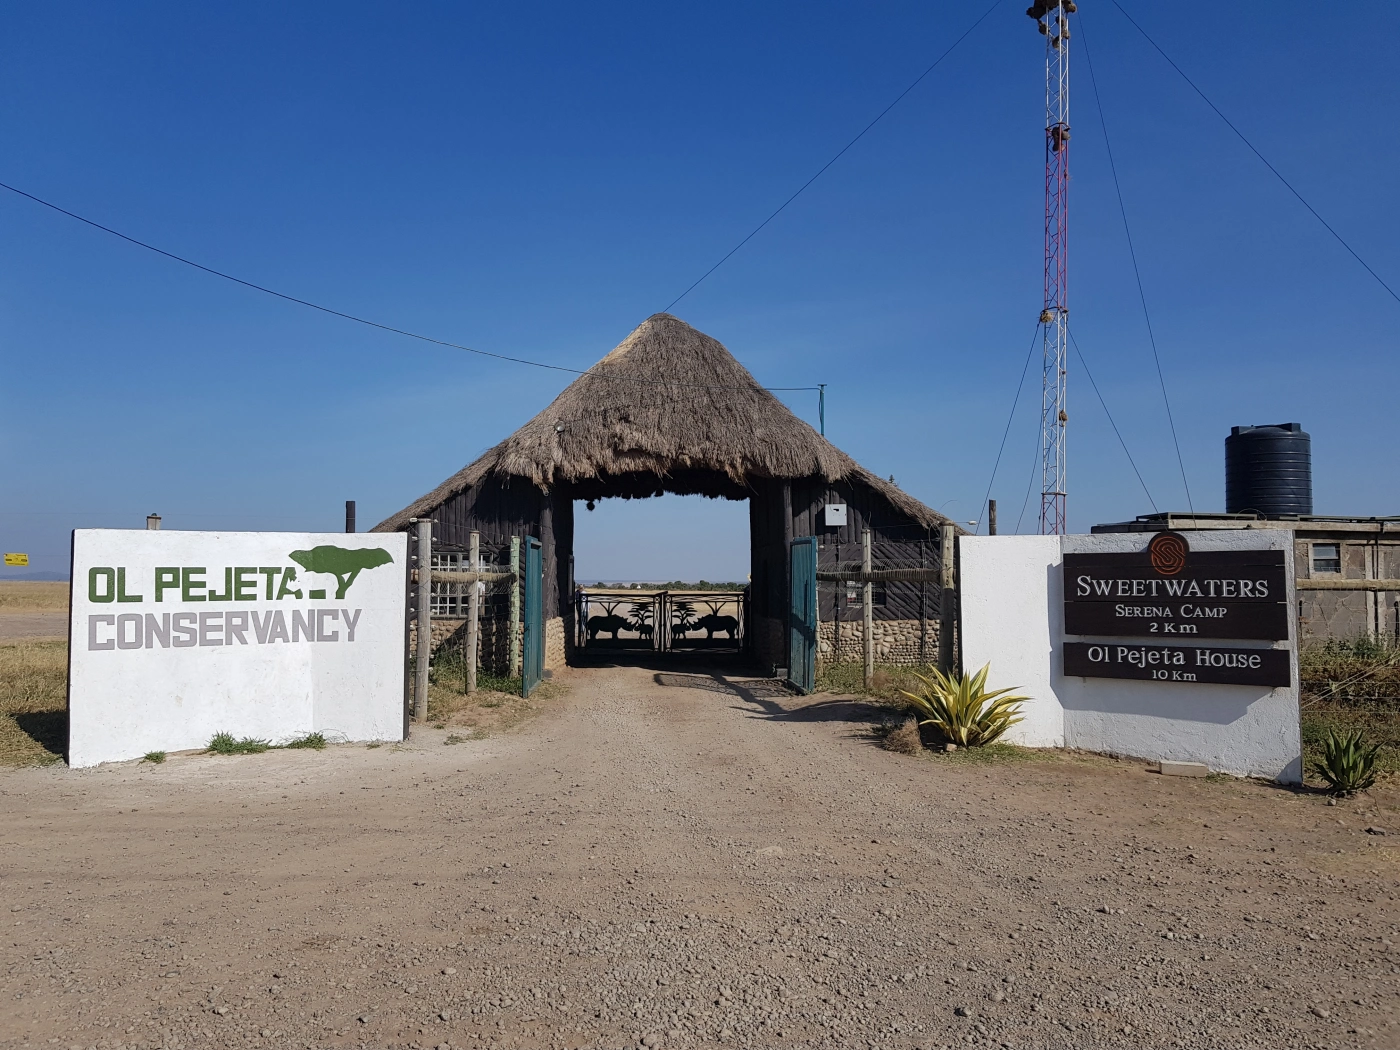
[(961, 708), (1347, 764)]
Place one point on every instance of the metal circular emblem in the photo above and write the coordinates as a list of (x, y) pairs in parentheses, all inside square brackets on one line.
[(1168, 553)]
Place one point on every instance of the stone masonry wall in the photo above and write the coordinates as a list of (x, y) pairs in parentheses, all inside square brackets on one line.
[(493, 643), (896, 641), (554, 655)]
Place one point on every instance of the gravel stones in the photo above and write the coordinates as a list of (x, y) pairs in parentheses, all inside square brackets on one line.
[(715, 874)]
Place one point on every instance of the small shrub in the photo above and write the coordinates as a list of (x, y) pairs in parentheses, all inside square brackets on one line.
[(154, 757), (962, 710), (313, 741), (1348, 764), (905, 738), (225, 744)]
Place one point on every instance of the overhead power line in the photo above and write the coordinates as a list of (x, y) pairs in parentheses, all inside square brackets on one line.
[(1142, 294), (594, 373), (1277, 174), (1116, 433), (840, 153)]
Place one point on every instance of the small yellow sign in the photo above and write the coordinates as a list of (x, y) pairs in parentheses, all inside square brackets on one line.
[(16, 559)]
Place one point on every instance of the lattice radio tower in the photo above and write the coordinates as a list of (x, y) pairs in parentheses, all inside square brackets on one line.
[(1052, 19)]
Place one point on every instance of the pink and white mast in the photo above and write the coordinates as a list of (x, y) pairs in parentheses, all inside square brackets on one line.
[(1052, 18)]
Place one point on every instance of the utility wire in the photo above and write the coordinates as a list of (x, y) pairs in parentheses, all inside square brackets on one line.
[(1106, 412), (1009, 417), (880, 116), (1240, 134), (594, 373), (1137, 273), (1030, 482)]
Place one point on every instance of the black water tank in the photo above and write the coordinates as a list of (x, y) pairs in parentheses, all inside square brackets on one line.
[(1268, 470)]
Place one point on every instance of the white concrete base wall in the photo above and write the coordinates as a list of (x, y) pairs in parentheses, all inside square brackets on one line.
[(1012, 602), (1008, 583), (132, 691)]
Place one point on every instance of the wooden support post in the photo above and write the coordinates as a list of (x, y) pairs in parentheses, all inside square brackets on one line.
[(785, 574), (867, 603), (515, 606), (947, 610), (424, 619), (991, 517), (473, 611)]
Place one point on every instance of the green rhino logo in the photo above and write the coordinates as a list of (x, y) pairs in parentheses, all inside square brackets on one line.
[(343, 564)]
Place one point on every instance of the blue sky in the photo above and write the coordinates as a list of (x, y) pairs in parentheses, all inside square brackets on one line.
[(535, 180)]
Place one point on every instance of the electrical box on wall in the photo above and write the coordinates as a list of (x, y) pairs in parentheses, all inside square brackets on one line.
[(834, 514)]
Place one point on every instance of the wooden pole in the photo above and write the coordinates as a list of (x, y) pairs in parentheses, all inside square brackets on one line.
[(515, 606), (785, 647), (947, 605), (473, 611), (424, 618), (991, 517), (867, 603), (838, 603)]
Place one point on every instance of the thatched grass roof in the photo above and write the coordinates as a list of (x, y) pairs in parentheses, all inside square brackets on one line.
[(669, 403)]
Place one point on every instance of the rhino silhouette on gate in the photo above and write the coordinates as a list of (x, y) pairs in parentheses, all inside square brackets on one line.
[(611, 622), (714, 622)]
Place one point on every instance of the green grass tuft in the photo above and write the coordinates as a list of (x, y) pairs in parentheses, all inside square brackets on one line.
[(225, 744), (154, 757), (313, 741)]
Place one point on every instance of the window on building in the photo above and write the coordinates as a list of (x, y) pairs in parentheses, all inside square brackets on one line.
[(451, 599), (1326, 557), (854, 597)]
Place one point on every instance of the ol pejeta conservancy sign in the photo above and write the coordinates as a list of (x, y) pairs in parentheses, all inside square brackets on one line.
[(1169, 592), (176, 636), (189, 585)]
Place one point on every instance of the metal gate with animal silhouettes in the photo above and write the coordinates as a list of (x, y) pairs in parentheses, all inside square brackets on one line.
[(660, 621)]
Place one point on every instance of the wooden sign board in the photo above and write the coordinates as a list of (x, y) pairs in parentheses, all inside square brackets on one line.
[(1218, 665), (1168, 590)]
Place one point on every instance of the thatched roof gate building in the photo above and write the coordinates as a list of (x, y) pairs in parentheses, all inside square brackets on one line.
[(671, 411)]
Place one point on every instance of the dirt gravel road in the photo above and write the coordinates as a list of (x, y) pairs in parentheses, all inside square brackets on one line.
[(688, 859)]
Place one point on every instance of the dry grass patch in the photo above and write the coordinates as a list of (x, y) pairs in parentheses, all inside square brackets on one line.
[(33, 596), (904, 738), (495, 707), (1351, 685), (887, 683), (33, 702)]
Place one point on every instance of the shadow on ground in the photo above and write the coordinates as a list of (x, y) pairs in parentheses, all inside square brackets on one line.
[(773, 699), (48, 729)]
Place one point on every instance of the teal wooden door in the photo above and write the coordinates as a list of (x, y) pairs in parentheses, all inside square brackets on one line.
[(802, 616), (532, 646)]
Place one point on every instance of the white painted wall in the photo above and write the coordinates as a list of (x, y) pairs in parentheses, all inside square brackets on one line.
[(133, 690), (1012, 600), (1008, 583)]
